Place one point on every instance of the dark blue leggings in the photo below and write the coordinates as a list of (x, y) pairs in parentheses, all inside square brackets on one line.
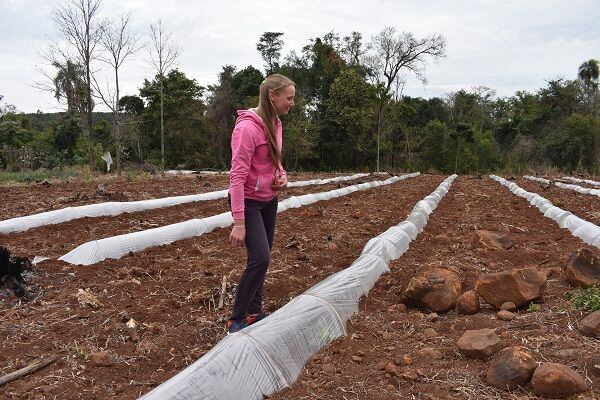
[(260, 226)]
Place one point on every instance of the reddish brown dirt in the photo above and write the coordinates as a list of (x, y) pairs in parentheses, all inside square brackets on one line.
[(25, 199), (59, 239), (171, 292), (583, 205), (381, 333)]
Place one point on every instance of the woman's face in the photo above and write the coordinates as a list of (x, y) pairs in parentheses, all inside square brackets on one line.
[(283, 99)]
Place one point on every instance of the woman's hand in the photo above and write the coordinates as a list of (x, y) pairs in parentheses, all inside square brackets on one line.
[(237, 237), (280, 182)]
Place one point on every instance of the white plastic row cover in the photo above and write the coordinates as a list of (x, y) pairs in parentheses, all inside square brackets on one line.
[(585, 230), (269, 355), (588, 181), (577, 188), (115, 208), (327, 180), (118, 246)]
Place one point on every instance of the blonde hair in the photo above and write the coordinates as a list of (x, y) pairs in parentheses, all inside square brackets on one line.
[(267, 112)]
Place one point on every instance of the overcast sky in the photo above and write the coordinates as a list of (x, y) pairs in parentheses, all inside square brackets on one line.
[(506, 45)]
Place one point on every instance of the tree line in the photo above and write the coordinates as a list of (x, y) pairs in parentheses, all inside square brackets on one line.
[(350, 113)]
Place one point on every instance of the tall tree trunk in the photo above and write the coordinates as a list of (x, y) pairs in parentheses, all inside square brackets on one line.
[(118, 124), (379, 116), (92, 157), (162, 128)]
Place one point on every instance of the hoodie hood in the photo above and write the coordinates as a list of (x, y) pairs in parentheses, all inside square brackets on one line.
[(249, 115)]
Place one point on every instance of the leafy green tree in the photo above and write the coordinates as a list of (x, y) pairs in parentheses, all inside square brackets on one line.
[(349, 108), (269, 45), (589, 73)]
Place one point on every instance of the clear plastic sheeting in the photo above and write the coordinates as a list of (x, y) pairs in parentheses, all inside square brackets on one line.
[(326, 181), (116, 208), (562, 185), (588, 181), (585, 230), (579, 189), (118, 246), (270, 354)]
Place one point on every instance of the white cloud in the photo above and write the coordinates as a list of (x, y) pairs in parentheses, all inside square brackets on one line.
[(511, 45)]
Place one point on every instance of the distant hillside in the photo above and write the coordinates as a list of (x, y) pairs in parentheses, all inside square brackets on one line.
[(42, 120)]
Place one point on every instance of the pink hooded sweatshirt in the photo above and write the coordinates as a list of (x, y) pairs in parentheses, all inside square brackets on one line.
[(252, 171)]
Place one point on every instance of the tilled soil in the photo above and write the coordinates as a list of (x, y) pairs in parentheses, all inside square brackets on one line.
[(171, 292), (583, 205), (26, 199), (20, 200), (353, 367), (59, 239)]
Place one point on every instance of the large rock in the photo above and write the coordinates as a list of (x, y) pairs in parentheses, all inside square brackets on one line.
[(518, 286), (590, 325), (557, 381), (480, 344), (511, 368), (468, 303), (494, 240), (583, 268), (436, 289)]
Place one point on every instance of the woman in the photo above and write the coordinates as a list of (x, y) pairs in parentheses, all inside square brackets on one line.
[(255, 177)]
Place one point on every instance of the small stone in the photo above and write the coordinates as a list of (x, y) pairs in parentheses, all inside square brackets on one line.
[(100, 359), (494, 240), (567, 354), (314, 385), (120, 388), (360, 353), (387, 336), (590, 325), (468, 303), (410, 375), (442, 239), (432, 317), (508, 306), (328, 368), (429, 353), (356, 359), (505, 335), (479, 344), (390, 348), (406, 360), (557, 381), (506, 315), (430, 333), (327, 360), (391, 369), (391, 387), (595, 365), (381, 365)]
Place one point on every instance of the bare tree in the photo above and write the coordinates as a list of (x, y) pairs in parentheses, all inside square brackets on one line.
[(119, 43), (79, 27), (163, 53), (395, 53)]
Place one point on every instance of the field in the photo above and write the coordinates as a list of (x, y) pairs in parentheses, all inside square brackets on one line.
[(156, 311)]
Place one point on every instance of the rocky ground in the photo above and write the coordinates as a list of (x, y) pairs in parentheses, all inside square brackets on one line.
[(121, 327)]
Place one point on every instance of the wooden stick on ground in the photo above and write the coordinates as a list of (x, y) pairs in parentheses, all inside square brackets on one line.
[(223, 289), (27, 370)]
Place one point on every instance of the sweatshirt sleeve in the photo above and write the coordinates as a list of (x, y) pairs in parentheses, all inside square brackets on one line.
[(242, 149)]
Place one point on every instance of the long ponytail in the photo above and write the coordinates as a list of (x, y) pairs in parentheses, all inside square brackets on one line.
[(267, 112)]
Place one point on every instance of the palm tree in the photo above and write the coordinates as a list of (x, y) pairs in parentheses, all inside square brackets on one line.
[(69, 84), (588, 74)]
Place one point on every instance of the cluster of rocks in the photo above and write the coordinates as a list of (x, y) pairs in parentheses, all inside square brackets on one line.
[(440, 290)]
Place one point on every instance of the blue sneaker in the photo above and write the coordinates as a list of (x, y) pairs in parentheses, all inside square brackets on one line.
[(234, 326)]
